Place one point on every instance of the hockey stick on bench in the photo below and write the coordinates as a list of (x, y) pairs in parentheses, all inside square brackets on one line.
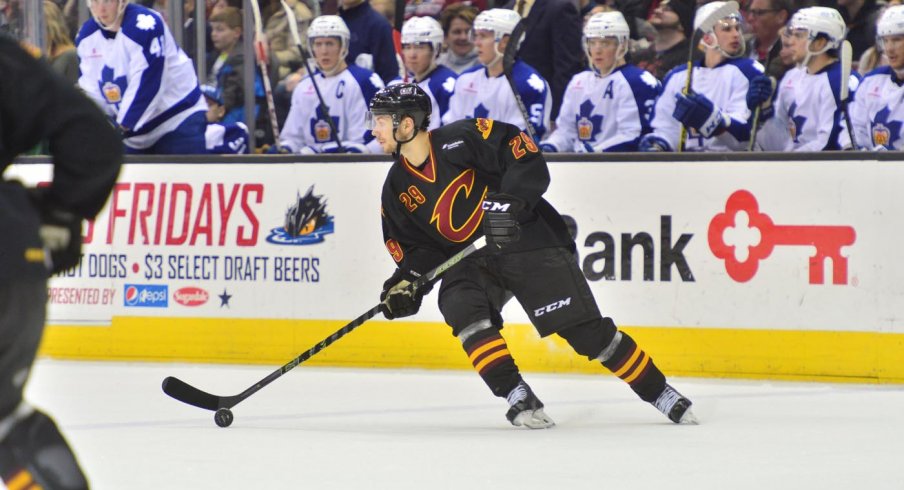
[(508, 63), (187, 393)]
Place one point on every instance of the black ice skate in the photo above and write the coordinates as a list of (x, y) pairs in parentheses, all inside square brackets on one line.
[(526, 409), (675, 406)]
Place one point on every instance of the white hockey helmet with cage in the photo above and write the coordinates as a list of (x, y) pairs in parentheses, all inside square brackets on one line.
[(891, 23), (607, 24), (121, 8), (423, 30), (705, 11), (330, 26)]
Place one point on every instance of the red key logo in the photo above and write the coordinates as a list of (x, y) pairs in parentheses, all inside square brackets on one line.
[(742, 236)]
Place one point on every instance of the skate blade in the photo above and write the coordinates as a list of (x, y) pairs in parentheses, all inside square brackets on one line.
[(533, 419)]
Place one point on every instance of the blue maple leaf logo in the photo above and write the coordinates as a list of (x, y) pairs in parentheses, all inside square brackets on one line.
[(884, 132), (319, 126), (588, 126), (797, 123), (481, 111), (112, 87)]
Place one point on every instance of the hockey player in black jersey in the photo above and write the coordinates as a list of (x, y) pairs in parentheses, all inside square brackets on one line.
[(40, 233), (478, 176)]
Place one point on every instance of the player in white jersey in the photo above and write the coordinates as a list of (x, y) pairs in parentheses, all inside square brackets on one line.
[(131, 66), (608, 107), (877, 112), (808, 115), (346, 90), (422, 40), (484, 92), (715, 110)]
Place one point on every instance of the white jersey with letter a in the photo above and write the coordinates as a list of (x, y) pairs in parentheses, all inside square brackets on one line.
[(726, 86), (139, 76), (439, 85), (608, 113), (347, 94), (808, 115), (877, 111), (479, 96)]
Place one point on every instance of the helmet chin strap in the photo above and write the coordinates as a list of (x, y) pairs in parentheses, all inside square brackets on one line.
[(399, 143), (806, 61), (718, 48), (619, 54)]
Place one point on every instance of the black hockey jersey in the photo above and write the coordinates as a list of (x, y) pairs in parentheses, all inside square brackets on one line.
[(433, 211)]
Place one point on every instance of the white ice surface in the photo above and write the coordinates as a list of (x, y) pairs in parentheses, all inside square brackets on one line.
[(381, 429)]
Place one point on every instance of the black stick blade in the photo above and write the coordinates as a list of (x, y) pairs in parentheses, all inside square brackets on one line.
[(186, 393), (508, 57)]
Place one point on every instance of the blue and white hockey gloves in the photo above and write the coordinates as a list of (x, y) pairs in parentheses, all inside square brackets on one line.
[(760, 91), (698, 112), (500, 219)]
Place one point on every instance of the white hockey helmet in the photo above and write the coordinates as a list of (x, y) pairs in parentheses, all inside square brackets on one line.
[(606, 24), (891, 22), (820, 20), (423, 30), (706, 11), (121, 8), (501, 21), (330, 26)]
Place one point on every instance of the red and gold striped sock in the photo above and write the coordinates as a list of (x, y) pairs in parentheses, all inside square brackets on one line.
[(635, 367), (491, 358)]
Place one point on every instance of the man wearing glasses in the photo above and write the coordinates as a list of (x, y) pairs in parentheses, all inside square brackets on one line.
[(766, 18)]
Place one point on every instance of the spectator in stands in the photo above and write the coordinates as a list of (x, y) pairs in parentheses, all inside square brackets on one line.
[(673, 22), (552, 42), (283, 52), (147, 86), (860, 17), (434, 8), (226, 72), (219, 5), (460, 52), (371, 46), (60, 49), (766, 19)]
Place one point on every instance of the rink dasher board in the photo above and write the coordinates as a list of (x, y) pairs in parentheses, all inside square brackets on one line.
[(197, 279)]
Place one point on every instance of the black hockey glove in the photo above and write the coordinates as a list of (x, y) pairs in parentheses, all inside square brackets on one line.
[(61, 232), (397, 299), (500, 219)]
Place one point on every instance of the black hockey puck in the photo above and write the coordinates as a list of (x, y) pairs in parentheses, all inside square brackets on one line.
[(223, 417)]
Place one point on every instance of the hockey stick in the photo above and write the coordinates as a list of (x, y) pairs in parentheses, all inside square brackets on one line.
[(325, 109), (187, 393), (847, 54), (773, 52), (508, 62), (725, 10), (261, 48)]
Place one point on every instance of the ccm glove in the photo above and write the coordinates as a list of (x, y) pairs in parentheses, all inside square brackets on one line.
[(60, 231), (500, 219), (397, 299), (698, 112)]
